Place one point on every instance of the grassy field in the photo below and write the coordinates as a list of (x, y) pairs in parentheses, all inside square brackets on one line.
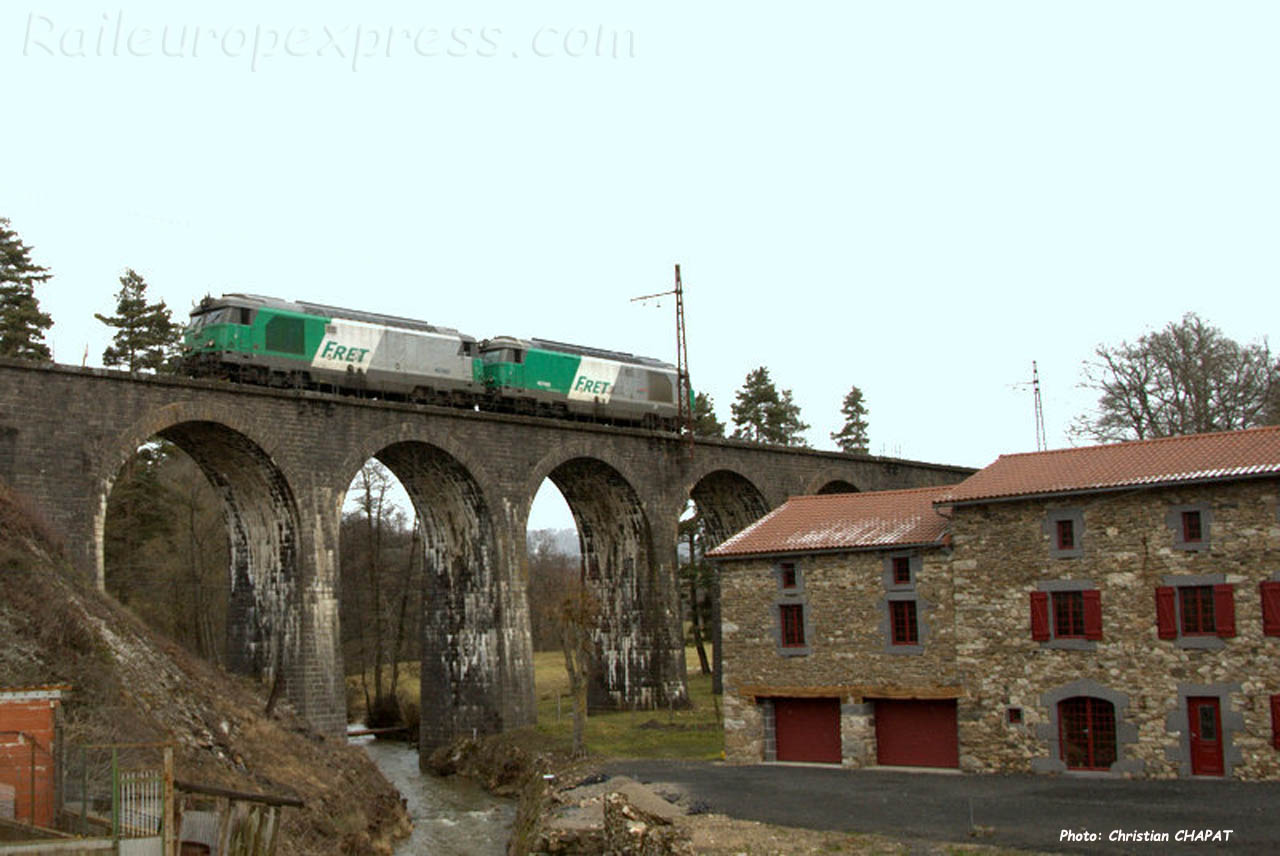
[(694, 733)]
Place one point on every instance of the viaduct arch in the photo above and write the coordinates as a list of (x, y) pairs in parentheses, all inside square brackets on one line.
[(282, 461)]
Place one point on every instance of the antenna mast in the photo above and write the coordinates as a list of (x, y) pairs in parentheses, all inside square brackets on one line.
[(1042, 442), (684, 389)]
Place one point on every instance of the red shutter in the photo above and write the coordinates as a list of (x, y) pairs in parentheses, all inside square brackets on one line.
[(1040, 616), (1275, 721), (1224, 609), (1270, 608), (1166, 614), (1092, 613)]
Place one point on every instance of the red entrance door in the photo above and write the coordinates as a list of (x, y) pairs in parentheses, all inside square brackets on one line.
[(807, 729), (1205, 722)]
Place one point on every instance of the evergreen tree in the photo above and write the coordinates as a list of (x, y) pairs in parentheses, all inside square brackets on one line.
[(146, 336), (853, 436), (763, 415), (705, 423), (22, 324), (750, 410), (785, 425)]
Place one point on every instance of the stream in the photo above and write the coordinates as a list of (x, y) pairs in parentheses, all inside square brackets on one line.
[(451, 816)]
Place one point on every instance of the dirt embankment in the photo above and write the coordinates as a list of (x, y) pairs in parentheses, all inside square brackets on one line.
[(131, 686)]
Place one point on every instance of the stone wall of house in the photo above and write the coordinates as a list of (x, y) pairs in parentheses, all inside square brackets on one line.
[(847, 653), (1128, 547)]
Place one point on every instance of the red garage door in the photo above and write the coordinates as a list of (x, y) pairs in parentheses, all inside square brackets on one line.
[(807, 729), (915, 733)]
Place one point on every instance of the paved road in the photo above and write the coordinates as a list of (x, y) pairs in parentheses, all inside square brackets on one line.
[(1020, 811)]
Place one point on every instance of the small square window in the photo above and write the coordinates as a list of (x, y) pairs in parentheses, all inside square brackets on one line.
[(902, 570), (788, 570), (791, 616), (1066, 530), (1191, 530), (902, 617), (1014, 715), (1191, 526)]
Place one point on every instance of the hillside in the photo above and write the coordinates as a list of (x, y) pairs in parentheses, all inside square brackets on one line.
[(131, 686)]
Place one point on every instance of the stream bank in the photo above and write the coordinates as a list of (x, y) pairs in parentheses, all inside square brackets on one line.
[(452, 816)]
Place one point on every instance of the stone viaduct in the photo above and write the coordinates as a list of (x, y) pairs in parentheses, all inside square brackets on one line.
[(282, 461)]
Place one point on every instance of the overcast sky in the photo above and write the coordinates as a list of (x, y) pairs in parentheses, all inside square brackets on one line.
[(919, 198)]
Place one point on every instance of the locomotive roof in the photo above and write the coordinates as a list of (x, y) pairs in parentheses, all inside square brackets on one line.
[(583, 351), (306, 307)]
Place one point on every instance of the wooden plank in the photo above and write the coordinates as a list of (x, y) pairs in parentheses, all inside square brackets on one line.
[(211, 791), (857, 693)]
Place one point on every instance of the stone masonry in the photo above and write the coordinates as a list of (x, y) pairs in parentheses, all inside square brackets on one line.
[(282, 461), (1127, 549), (845, 596), (975, 593)]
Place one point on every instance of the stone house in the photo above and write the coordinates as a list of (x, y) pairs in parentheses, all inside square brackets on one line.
[(1113, 610), (838, 632)]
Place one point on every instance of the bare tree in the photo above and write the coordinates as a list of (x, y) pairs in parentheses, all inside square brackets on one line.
[(579, 616), (553, 573), (695, 573), (1188, 378)]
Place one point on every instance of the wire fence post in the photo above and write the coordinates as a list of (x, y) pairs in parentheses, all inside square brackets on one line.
[(84, 789), (115, 795), (170, 810)]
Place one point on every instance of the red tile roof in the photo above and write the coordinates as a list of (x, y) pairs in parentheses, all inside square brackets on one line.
[(1196, 457), (887, 518)]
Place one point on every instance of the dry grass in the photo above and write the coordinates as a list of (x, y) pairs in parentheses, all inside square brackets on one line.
[(694, 733)]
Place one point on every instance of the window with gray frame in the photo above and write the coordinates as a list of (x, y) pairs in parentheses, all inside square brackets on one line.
[(1190, 525), (1065, 528), (1087, 731), (1066, 614), (792, 621), (902, 623), (1196, 611)]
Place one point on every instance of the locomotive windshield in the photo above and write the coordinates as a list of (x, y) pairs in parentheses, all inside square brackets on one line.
[(504, 355), (217, 316), (225, 315)]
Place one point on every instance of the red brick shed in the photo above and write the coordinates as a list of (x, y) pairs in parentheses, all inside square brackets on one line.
[(28, 729)]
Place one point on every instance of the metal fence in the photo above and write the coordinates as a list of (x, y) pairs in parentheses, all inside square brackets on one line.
[(122, 799), (120, 790)]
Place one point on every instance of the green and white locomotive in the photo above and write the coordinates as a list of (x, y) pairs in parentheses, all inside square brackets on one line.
[(253, 339), (571, 380)]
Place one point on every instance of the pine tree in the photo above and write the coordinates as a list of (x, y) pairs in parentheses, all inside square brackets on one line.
[(146, 336), (705, 423), (785, 425), (750, 410), (853, 436), (762, 415), (22, 324)]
